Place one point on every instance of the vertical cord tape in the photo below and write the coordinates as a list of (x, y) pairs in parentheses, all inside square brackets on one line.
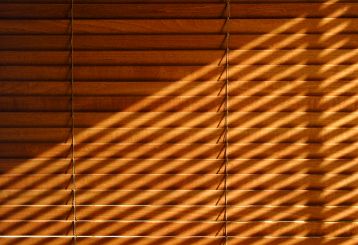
[(226, 112), (73, 133)]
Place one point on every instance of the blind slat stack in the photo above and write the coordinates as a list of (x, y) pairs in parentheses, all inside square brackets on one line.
[(149, 105)]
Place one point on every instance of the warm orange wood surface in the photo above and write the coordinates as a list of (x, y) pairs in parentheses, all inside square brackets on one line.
[(149, 122)]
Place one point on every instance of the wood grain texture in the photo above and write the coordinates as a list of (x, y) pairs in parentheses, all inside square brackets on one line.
[(181, 26), (148, 123)]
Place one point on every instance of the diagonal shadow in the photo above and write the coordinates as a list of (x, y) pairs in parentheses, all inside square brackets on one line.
[(241, 103)]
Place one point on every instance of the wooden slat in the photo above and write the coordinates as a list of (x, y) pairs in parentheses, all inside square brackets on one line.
[(180, 197), (181, 135), (162, 10), (35, 240), (292, 213), (184, 150), (293, 119), (160, 135), (320, 166), (35, 197), (33, 103), (30, 10), (207, 26), (46, 228), (179, 73), (152, 182), (191, 10), (110, 119), (111, 88), (14, 212), (34, 165), (152, 228), (180, 181), (179, 88), (180, 57), (115, 42), (38, 119), (185, 213), (202, 26), (176, 166), (330, 229), (37, 42), (182, 103), (117, 103), (178, 240), (262, 41), (112, 197), (167, 57), (171, 1), (39, 150), (182, 119), (35, 88), (113, 166), (41, 181), (294, 240), (160, 166), (35, 135)]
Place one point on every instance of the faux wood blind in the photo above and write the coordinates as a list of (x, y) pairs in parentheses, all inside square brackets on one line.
[(178, 122)]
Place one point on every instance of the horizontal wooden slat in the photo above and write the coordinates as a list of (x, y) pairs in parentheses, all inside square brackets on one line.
[(297, 239), (181, 150), (263, 41), (178, 240), (36, 240), (151, 228), (172, 57), (35, 135), (180, 57), (210, 26), (175, 10), (37, 42), (179, 181), (183, 88), (35, 165), (120, 42), (38, 119), (40, 150), (179, 73), (31, 10), (175, 166), (321, 166), (181, 103), (184, 213), (112, 197), (49, 182), (171, 1), (103, 135), (330, 229), (181, 135), (18, 212), (117, 103), (108, 119), (46, 228), (179, 119), (209, 10), (180, 197), (29, 103), (185, 26)]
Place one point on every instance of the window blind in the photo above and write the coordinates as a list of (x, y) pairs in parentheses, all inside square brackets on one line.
[(178, 122)]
